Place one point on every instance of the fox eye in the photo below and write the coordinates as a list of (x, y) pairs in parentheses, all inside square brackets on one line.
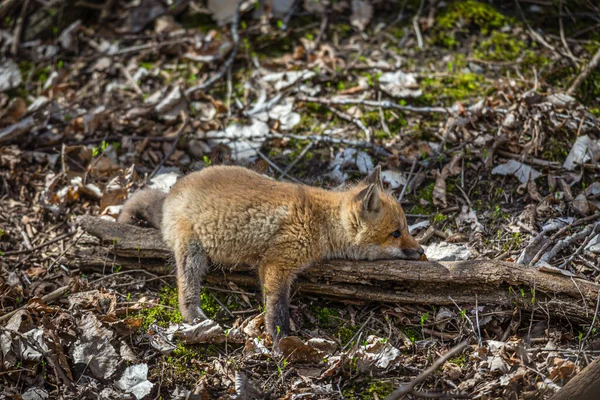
[(396, 234)]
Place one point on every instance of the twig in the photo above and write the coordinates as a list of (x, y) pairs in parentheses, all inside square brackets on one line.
[(130, 79), (296, 160), (580, 248), (415, 22), (45, 299), (468, 319), (560, 232), (477, 319), (325, 139), (355, 121), (357, 332), (562, 30), (371, 103), (178, 135), (539, 38), (592, 324), (562, 244), (40, 246), (585, 73), (412, 169), (131, 271), (19, 28), (273, 165), (409, 387), (227, 64)]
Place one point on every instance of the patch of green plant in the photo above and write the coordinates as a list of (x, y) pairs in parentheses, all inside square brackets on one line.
[(465, 14), (202, 22), (166, 312), (532, 58), (459, 360), (368, 389), (500, 46), (514, 241), (346, 332), (459, 86), (460, 17), (439, 217), (555, 150), (325, 316)]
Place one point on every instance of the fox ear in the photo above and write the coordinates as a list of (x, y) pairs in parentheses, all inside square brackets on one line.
[(374, 177), (370, 199)]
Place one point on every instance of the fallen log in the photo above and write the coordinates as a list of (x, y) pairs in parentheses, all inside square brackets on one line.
[(105, 244), (584, 386)]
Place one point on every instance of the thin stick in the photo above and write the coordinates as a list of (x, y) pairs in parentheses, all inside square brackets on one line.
[(315, 138), (415, 22), (355, 121), (412, 169), (227, 64), (40, 246), (409, 387), (273, 165), (560, 232), (562, 30), (585, 73), (293, 163), (178, 135), (45, 299), (592, 324), (19, 29), (371, 103)]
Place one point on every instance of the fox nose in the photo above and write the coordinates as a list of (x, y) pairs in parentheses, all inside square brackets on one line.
[(421, 251)]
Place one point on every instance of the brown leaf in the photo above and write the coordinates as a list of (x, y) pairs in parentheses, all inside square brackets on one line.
[(439, 190)]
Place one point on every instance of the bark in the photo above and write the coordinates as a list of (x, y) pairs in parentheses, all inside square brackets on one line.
[(393, 281), (584, 386)]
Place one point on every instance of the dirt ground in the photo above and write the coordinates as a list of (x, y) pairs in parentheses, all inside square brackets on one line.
[(483, 116)]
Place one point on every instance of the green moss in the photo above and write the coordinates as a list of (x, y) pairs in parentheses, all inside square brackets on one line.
[(346, 332), (464, 14), (439, 217), (209, 305), (200, 21), (500, 46), (455, 87), (166, 312), (368, 389), (534, 59), (460, 17), (555, 150), (324, 315), (514, 242), (459, 360)]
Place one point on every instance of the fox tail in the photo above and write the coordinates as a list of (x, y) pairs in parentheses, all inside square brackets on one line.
[(143, 206)]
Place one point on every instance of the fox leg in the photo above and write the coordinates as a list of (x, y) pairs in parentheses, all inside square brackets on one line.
[(192, 264), (276, 283)]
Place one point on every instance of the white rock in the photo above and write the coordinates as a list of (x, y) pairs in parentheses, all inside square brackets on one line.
[(447, 252)]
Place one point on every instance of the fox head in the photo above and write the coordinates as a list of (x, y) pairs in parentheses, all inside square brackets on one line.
[(375, 224)]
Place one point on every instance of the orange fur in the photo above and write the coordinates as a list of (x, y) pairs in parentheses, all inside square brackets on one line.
[(231, 215)]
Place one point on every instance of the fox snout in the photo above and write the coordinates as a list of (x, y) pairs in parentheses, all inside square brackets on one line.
[(411, 248), (414, 254)]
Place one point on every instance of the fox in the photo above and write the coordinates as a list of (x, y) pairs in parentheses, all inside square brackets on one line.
[(231, 215)]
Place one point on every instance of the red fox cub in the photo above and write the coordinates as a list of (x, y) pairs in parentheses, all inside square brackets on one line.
[(230, 215)]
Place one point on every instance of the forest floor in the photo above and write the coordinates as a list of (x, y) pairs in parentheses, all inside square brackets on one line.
[(484, 120)]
